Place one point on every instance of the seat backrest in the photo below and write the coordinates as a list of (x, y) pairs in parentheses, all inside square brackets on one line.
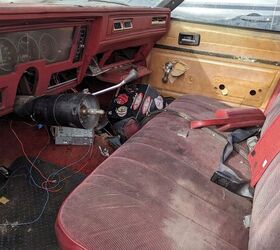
[(265, 223), (272, 113)]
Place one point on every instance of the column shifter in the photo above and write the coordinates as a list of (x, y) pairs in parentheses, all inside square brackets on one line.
[(132, 75)]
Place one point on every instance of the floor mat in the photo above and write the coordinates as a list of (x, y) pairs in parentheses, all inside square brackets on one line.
[(25, 204)]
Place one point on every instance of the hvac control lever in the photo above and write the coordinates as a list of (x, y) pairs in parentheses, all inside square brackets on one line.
[(132, 75)]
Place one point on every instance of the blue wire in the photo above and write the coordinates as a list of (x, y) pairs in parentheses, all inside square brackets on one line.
[(38, 218), (33, 183), (43, 208), (73, 163)]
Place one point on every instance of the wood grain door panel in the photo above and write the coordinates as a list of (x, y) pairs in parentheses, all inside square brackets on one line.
[(245, 62)]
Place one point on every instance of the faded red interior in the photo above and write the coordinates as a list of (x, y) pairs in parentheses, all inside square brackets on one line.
[(154, 192), (101, 38)]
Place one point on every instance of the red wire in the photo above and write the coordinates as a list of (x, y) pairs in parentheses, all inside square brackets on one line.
[(83, 166), (50, 189), (26, 156), (44, 184), (76, 172)]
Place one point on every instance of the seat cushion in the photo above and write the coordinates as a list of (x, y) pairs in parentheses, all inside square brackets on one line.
[(155, 191)]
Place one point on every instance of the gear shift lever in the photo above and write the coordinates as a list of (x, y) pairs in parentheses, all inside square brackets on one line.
[(132, 75)]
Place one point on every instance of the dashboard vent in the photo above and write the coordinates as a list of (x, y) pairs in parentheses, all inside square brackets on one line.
[(118, 25), (123, 25), (158, 20), (127, 24), (81, 44)]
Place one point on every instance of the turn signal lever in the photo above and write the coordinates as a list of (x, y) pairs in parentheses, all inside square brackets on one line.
[(132, 75)]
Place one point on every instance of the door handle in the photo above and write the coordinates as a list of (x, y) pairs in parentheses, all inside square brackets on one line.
[(191, 39)]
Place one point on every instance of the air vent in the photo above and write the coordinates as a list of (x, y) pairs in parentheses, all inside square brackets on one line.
[(158, 20), (127, 24), (118, 25), (81, 44), (28, 81), (123, 25)]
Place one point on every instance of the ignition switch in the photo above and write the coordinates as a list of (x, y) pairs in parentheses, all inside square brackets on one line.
[(167, 70)]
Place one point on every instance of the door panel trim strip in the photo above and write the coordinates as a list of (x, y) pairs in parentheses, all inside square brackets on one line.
[(220, 55)]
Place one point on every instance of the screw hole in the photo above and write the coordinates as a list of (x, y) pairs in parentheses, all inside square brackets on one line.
[(221, 86), (253, 92)]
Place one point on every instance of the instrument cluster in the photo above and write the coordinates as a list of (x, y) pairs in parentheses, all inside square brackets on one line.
[(50, 45)]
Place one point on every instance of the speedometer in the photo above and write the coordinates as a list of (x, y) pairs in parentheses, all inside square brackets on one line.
[(28, 49), (8, 55), (48, 47)]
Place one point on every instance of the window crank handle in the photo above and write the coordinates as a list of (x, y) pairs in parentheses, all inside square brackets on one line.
[(167, 69)]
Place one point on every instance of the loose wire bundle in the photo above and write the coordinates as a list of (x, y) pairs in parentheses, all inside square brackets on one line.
[(51, 184)]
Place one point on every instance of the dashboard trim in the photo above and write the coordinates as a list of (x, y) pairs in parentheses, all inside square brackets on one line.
[(22, 17)]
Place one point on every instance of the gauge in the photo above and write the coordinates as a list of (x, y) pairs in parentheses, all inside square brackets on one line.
[(28, 49), (48, 47), (8, 55)]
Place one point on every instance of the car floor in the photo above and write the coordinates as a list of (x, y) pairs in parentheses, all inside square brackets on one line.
[(29, 212), (22, 200), (36, 140)]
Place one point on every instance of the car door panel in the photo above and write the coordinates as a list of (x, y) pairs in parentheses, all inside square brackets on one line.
[(246, 62)]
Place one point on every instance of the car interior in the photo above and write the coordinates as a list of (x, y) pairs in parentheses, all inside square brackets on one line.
[(139, 125)]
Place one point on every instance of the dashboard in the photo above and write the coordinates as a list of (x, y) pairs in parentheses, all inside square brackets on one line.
[(50, 49), (49, 45)]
